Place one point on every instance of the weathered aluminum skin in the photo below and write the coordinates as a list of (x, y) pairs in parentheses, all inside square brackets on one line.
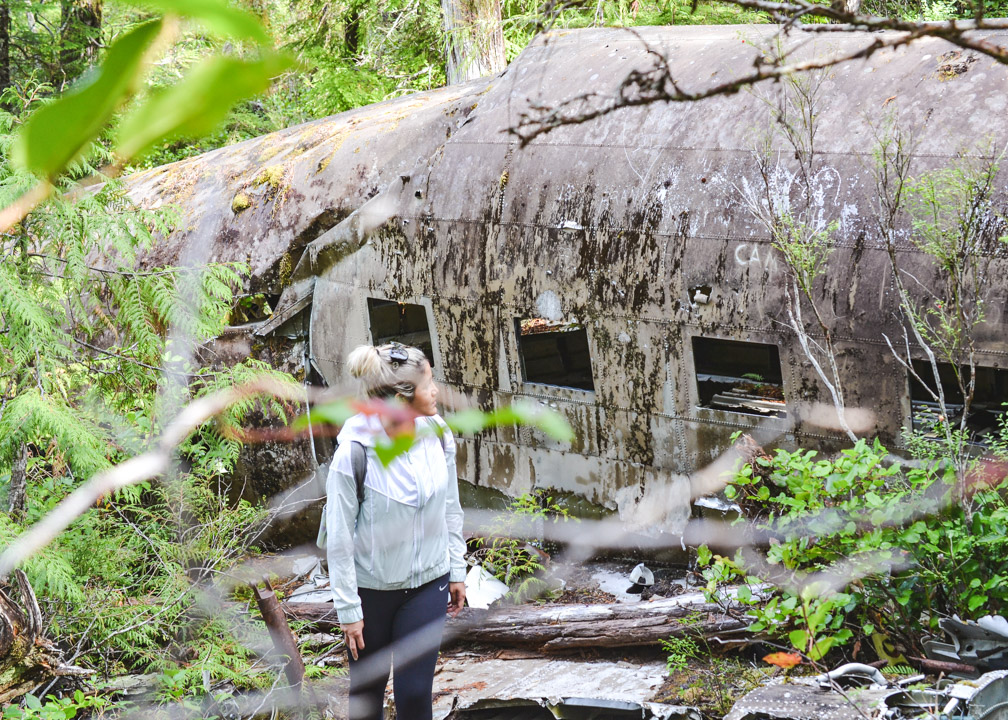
[(298, 182), (474, 686), (617, 218)]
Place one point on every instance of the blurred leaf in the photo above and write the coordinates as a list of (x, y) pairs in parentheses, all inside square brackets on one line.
[(466, 421), (334, 413), (59, 132), (387, 451), (197, 104), (976, 601), (549, 421), (543, 418), (798, 639), (217, 16)]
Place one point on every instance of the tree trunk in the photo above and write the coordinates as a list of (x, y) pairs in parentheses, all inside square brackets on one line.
[(5, 28), (352, 29), (570, 627), (475, 39), (18, 483), (80, 37)]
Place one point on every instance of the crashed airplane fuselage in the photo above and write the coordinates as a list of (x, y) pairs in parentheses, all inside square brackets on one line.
[(615, 269)]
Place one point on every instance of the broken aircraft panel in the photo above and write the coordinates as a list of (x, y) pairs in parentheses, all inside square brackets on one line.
[(633, 228)]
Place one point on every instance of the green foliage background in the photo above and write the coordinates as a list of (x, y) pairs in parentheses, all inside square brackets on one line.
[(913, 541), (87, 368)]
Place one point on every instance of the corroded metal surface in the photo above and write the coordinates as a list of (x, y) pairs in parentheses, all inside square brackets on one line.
[(470, 685), (802, 700), (613, 223), (263, 200)]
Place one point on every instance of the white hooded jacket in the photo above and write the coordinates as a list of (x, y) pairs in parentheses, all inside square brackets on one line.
[(408, 529)]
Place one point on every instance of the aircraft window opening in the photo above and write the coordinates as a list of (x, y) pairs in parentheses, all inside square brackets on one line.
[(740, 377), (400, 322), (986, 410), (554, 353)]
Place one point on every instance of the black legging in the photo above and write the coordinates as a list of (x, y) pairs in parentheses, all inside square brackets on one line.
[(402, 627)]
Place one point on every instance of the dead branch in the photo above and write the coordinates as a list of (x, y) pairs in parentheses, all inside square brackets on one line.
[(657, 83)]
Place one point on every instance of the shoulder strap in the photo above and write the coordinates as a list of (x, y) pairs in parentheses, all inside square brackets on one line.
[(358, 463)]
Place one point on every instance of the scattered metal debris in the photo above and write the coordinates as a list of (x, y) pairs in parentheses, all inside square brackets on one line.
[(482, 588), (316, 589), (640, 577), (858, 671), (985, 698), (805, 699), (470, 686), (573, 708), (858, 692), (981, 644)]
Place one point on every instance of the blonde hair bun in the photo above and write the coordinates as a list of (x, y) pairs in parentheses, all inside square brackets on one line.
[(365, 363)]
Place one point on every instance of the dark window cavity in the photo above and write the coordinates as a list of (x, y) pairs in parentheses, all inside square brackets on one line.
[(740, 377), (404, 323), (989, 396), (554, 353)]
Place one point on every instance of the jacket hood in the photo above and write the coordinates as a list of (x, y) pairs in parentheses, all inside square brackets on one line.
[(365, 429)]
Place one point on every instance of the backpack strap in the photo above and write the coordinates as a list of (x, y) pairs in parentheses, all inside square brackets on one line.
[(358, 463)]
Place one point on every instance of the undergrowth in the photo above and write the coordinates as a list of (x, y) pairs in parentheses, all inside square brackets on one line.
[(868, 549)]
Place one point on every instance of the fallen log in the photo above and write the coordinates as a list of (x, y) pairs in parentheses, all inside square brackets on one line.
[(27, 657), (570, 627)]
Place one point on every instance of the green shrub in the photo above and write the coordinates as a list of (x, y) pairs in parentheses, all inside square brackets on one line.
[(510, 557), (861, 545)]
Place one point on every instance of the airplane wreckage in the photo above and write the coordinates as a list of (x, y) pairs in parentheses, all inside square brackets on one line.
[(612, 269)]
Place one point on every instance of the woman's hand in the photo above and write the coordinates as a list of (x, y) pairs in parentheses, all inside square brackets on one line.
[(457, 602), (353, 636)]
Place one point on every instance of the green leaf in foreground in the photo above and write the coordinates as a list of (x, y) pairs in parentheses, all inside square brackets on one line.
[(59, 132), (538, 416), (389, 450), (543, 418), (334, 413), (197, 104), (217, 16), (468, 421)]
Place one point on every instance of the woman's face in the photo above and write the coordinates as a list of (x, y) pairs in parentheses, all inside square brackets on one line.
[(425, 397)]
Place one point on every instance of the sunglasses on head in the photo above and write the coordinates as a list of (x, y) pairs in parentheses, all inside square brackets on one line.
[(398, 354)]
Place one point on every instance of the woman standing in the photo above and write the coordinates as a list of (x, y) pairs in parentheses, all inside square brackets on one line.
[(395, 549)]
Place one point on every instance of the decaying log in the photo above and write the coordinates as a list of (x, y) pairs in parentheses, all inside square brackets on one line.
[(27, 658), (569, 627), (284, 641), (280, 632)]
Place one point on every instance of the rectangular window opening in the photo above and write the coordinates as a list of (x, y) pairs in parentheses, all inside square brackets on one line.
[(989, 396), (740, 377), (404, 323), (554, 353)]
